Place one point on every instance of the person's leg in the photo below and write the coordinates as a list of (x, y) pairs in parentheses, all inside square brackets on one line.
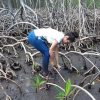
[(40, 45), (45, 61)]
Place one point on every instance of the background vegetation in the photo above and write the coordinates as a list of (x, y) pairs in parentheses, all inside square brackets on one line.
[(32, 3)]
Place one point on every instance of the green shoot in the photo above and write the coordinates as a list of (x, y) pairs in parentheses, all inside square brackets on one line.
[(64, 94), (38, 81), (67, 87)]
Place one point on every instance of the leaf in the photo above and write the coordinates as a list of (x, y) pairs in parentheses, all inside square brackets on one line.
[(67, 87), (61, 95), (42, 82), (38, 81)]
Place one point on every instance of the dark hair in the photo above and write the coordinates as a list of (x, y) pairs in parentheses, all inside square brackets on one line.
[(72, 36)]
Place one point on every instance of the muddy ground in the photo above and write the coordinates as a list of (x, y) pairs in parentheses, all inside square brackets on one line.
[(24, 89)]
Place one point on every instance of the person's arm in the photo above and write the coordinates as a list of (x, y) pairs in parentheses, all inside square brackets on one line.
[(56, 56), (52, 52)]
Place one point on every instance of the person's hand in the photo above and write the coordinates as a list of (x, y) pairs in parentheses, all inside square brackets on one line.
[(57, 66)]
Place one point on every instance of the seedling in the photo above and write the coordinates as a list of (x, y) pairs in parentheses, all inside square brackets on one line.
[(38, 81), (64, 94)]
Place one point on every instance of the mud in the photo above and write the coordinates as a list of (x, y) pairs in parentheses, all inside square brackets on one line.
[(24, 89)]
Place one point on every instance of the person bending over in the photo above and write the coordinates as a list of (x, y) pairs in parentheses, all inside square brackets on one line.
[(39, 38)]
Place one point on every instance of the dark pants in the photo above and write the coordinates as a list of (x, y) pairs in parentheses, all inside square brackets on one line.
[(41, 46)]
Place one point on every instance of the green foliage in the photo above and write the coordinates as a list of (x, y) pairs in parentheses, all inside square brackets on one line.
[(67, 91), (41, 3), (75, 2), (61, 95), (89, 3), (72, 2), (38, 81), (68, 87)]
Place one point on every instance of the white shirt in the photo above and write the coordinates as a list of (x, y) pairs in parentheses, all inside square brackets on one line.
[(49, 34)]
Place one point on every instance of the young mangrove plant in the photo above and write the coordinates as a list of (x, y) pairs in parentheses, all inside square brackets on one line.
[(38, 82), (69, 90), (63, 95)]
